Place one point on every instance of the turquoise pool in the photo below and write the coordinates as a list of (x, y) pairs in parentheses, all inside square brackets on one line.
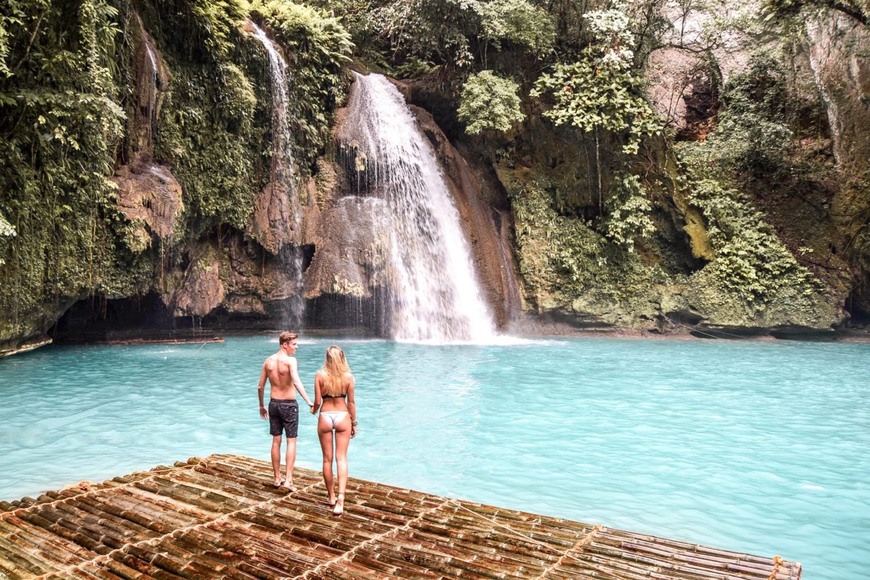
[(752, 446)]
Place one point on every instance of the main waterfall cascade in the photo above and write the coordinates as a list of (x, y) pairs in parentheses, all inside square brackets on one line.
[(281, 190), (435, 294)]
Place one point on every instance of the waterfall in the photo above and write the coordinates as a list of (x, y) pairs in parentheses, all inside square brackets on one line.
[(282, 171), (278, 205), (148, 86), (434, 292)]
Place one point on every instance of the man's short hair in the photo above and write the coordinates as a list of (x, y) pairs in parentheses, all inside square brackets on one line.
[(287, 337)]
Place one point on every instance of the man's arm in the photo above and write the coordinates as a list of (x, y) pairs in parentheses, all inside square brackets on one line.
[(260, 390), (297, 382)]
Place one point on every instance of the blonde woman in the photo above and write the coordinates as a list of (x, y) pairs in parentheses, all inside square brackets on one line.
[(333, 397)]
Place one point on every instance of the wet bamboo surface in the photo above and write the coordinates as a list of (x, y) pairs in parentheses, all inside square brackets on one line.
[(220, 517)]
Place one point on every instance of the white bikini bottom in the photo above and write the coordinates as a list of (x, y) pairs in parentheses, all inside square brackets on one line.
[(334, 417)]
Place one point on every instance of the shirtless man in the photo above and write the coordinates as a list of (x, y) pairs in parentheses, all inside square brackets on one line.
[(283, 373)]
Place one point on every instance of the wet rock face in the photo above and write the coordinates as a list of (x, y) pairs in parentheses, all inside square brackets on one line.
[(837, 57), (273, 219), (683, 91), (151, 198), (202, 292), (350, 257), (842, 73)]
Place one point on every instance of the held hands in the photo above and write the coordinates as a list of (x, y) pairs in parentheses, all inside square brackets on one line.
[(313, 410)]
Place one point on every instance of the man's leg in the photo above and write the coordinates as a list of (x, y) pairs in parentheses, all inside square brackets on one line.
[(291, 426), (276, 458), (291, 461)]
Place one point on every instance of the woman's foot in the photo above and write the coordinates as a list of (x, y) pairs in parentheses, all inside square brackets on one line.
[(339, 505), (330, 501)]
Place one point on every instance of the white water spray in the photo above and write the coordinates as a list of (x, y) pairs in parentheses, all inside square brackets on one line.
[(435, 294)]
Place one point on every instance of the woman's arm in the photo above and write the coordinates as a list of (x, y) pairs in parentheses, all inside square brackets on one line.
[(318, 399), (351, 405)]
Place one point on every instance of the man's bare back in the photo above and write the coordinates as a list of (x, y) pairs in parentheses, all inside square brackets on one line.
[(282, 371)]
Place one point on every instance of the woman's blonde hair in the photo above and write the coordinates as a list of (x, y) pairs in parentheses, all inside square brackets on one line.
[(334, 367)]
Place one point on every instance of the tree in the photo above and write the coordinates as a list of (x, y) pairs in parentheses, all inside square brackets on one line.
[(790, 8), (601, 90), (489, 102)]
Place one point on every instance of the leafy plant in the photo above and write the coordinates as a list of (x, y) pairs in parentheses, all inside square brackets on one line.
[(752, 134), (751, 261), (517, 22), (628, 212), (489, 102), (601, 90)]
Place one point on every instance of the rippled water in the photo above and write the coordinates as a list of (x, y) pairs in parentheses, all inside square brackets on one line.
[(758, 447)]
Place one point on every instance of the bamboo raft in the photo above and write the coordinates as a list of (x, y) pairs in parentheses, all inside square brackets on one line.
[(220, 517)]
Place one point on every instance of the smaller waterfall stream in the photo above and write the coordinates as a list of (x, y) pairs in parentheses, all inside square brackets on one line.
[(148, 86), (282, 206), (435, 294), (282, 169)]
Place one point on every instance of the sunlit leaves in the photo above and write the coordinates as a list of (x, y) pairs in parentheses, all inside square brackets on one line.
[(750, 260), (628, 212), (489, 102), (518, 22), (592, 97)]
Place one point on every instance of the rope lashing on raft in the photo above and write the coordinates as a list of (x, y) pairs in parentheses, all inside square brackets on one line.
[(777, 562), (580, 543)]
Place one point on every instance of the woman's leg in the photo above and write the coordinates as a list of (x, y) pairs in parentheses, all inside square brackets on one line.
[(342, 442), (324, 433)]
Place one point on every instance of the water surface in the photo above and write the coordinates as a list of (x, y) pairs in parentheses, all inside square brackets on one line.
[(759, 447)]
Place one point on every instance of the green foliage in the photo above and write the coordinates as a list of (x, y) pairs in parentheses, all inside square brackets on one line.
[(216, 114), (628, 212), (435, 31), (592, 97), (601, 90), (208, 135), (61, 124), (517, 22), (566, 265), (316, 46), (66, 77), (17, 19), (751, 262), (752, 266), (752, 134), (6, 231), (489, 102), (202, 30), (450, 33), (303, 29), (555, 250)]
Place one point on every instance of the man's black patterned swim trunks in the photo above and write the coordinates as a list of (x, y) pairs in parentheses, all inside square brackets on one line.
[(283, 416)]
